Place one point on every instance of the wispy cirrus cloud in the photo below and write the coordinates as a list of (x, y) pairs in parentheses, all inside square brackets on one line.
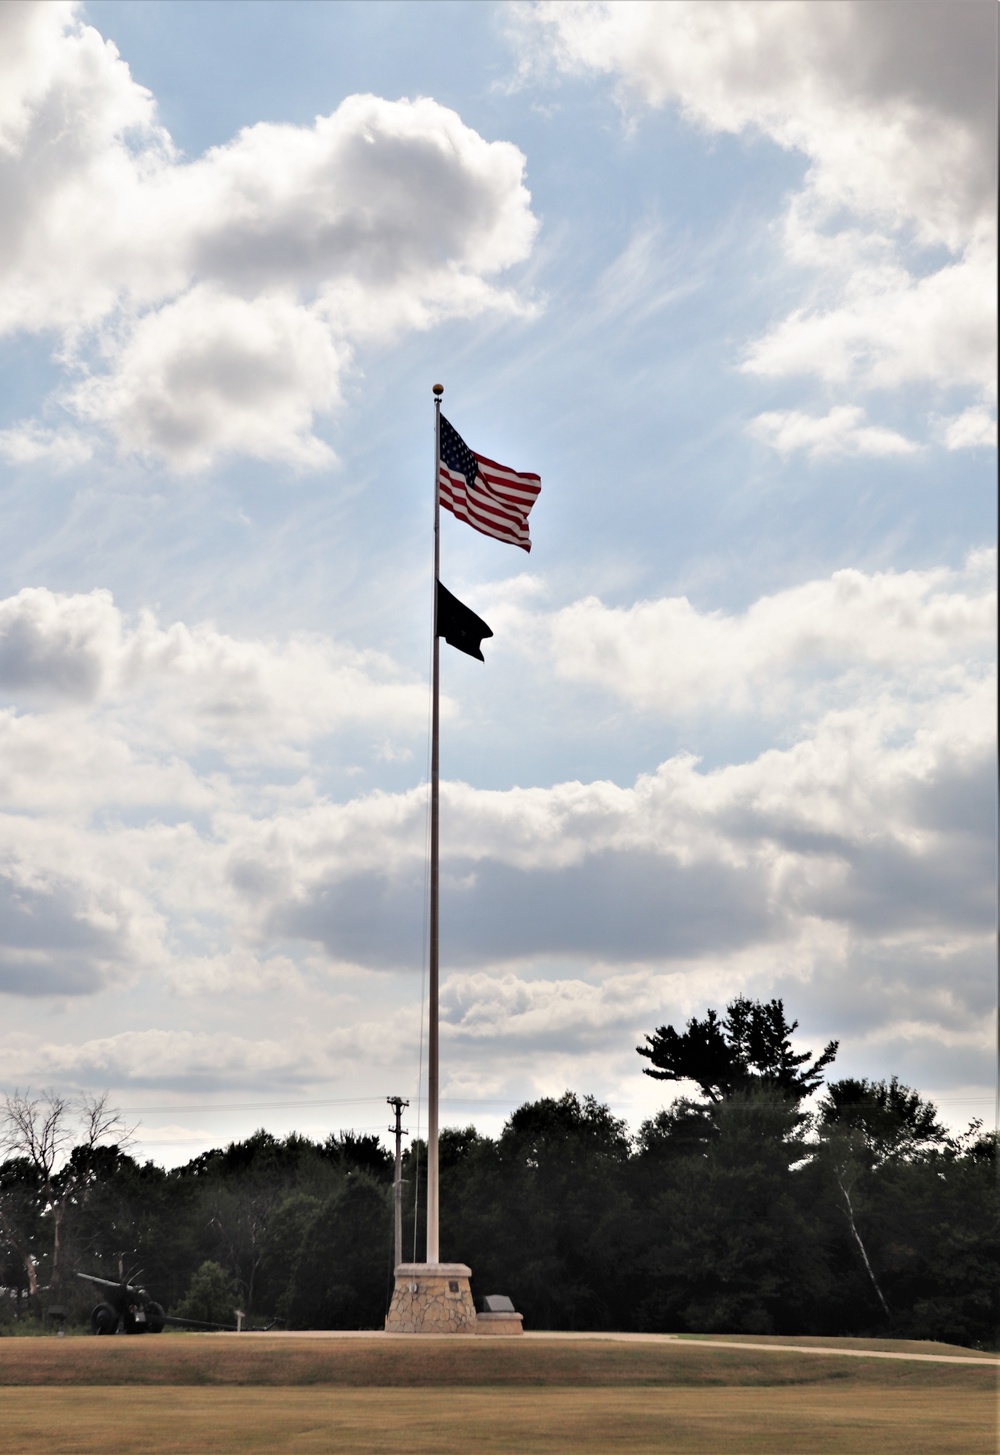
[(892, 230), (28, 443)]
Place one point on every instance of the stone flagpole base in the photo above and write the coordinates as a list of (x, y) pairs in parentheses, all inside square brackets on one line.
[(431, 1298)]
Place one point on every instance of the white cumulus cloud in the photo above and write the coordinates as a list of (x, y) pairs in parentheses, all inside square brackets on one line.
[(856, 851), (212, 373), (892, 105), (79, 651), (841, 432), (887, 327), (973, 428), (818, 641), (212, 305)]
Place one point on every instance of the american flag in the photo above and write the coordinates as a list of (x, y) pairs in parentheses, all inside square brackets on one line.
[(485, 495)]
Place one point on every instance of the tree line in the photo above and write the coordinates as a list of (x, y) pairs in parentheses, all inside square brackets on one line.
[(772, 1201)]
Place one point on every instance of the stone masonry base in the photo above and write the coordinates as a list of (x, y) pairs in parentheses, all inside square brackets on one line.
[(504, 1324), (431, 1298)]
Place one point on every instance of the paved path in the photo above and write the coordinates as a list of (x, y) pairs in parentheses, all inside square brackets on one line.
[(782, 1348), (848, 1353)]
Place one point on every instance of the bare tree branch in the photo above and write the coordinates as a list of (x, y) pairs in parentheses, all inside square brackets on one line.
[(44, 1131), (102, 1122), (36, 1128)]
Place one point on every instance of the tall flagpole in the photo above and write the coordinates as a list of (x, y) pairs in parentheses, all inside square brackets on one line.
[(434, 1297), (432, 999)]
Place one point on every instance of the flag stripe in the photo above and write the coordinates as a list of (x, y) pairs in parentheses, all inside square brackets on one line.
[(502, 530), (498, 503), (487, 515), (502, 472), (458, 499), (480, 502)]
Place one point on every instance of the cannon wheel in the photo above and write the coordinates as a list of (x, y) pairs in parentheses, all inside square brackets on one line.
[(103, 1320), (155, 1317)]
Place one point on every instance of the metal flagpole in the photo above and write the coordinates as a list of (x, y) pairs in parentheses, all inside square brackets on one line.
[(432, 998)]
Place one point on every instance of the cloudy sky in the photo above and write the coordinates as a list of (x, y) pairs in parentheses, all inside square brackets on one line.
[(722, 274)]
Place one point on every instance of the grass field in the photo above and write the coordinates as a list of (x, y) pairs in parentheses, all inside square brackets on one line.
[(209, 1394)]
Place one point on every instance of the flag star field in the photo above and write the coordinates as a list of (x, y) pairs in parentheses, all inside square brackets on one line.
[(721, 276)]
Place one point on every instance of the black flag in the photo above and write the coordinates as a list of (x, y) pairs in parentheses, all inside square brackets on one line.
[(459, 624)]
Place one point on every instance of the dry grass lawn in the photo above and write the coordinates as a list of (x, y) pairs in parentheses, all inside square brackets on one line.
[(215, 1395), (790, 1421), (285, 1359)]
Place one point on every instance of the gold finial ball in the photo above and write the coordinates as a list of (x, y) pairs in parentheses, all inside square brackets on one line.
[(438, 389)]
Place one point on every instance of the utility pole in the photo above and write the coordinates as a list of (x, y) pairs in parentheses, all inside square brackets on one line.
[(397, 1103)]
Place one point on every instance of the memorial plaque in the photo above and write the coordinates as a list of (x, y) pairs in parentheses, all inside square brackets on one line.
[(497, 1303)]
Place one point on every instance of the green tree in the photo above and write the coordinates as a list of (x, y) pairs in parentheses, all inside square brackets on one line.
[(750, 1047), (211, 1297), (947, 1205), (239, 1192), (682, 1129), (287, 1238), (918, 1211), (138, 1219), (21, 1208), (349, 1152), (887, 1118), (342, 1276), (731, 1243), (559, 1175)]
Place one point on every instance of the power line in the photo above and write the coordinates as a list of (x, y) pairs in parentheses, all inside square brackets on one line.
[(248, 1105), (458, 1101)]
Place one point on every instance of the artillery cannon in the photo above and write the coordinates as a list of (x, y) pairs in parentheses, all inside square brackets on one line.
[(124, 1306), (127, 1308)]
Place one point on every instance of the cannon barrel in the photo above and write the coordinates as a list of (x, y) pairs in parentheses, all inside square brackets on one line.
[(109, 1283)]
